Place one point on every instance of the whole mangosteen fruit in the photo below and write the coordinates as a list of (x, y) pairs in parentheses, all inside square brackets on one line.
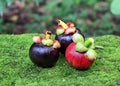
[(44, 52), (64, 34), (80, 54)]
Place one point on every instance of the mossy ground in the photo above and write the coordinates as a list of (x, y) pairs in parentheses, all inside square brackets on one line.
[(16, 69)]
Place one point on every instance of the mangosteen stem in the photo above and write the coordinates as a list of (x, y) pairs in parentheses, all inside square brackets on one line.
[(47, 41), (99, 47), (48, 35), (61, 23)]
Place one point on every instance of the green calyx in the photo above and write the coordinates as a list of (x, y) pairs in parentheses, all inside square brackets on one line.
[(89, 43), (78, 38), (86, 46), (47, 42), (91, 54), (59, 31), (80, 47)]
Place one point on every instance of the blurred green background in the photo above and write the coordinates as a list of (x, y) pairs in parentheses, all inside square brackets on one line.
[(92, 17)]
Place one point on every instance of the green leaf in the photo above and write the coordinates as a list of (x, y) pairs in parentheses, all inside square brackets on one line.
[(37, 2), (77, 1), (2, 6), (9, 2), (115, 7)]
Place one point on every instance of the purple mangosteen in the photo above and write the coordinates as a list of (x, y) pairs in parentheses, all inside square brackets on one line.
[(64, 34), (44, 52)]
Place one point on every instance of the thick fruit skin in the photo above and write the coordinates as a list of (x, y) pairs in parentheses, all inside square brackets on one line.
[(65, 40), (43, 56), (76, 59)]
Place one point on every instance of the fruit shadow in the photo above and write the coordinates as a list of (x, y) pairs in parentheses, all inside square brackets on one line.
[(66, 70)]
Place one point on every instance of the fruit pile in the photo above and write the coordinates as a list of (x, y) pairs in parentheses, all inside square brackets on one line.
[(69, 40)]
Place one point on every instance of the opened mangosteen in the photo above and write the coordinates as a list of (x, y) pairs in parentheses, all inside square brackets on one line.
[(64, 34), (44, 52)]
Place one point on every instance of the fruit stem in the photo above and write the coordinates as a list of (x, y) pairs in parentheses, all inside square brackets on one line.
[(48, 35), (61, 23), (99, 47)]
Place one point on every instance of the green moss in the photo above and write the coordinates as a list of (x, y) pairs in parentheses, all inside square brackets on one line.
[(17, 69)]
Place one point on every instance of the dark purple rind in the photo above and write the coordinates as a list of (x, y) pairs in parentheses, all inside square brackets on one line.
[(65, 40), (43, 56)]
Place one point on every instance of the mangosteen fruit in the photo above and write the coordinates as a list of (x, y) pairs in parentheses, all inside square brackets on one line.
[(64, 34), (44, 52), (80, 54)]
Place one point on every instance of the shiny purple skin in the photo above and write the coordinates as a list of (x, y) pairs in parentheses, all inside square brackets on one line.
[(65, 40), (43, 56)]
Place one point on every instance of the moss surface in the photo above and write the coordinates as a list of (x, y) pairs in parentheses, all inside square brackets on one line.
[(16, 69)]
